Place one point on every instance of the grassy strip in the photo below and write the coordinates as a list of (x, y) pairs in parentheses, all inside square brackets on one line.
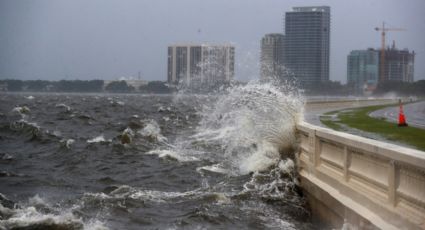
[(358, 118)]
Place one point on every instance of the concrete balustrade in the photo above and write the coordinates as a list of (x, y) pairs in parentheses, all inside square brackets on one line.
[(366, 183)]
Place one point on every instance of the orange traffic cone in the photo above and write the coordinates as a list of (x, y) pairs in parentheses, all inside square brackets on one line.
[(401, 118)]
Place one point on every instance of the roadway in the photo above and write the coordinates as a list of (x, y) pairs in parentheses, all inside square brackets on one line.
[(414, 114), (314, 109)]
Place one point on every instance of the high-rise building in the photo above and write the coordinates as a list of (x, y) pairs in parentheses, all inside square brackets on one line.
[(307, 37), (193, 64), (272, 64), (363, 70), (398, 65)]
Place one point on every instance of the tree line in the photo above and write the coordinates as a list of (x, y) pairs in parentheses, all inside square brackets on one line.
[(323, 88), (336, 88), (81, 86), (416, 88)]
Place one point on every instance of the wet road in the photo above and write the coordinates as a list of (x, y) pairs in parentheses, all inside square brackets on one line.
[(414, 113), (313, 110)]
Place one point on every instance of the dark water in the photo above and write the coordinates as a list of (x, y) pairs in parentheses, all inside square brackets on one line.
[(71, 161)]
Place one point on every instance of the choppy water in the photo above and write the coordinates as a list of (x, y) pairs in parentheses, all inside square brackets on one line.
[(85, 161)]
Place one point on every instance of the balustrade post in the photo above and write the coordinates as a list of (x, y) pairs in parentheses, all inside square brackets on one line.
[(346, 163), (391, 183)]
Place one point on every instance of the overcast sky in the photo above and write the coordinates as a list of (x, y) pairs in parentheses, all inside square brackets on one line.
[(104, 39)]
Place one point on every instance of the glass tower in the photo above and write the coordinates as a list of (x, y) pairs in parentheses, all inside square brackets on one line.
[(307, 37)]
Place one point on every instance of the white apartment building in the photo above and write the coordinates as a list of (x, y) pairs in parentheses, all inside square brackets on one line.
[(200, 63)]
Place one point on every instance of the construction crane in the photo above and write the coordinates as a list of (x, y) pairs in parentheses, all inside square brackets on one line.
[(383, 29)]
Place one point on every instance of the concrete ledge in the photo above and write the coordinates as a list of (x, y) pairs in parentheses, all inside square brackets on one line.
[(371, 183)]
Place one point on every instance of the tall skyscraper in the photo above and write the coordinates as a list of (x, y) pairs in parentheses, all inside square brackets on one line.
[(272, 65), (192, 64), (363, 70), (307, 37)]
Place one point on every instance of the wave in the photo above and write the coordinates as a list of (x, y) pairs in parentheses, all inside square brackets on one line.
[(66, 143), (170, 154), (21, 110), (63, 106), (98, 139), (152, 131), (254, 125), (30, 129), (125, 192), (245, 128), (39, 214)]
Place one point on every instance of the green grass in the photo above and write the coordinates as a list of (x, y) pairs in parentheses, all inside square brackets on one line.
[(358, 118), (328, 120)]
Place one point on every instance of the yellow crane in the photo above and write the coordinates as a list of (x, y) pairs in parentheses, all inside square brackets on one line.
[(383, 30)]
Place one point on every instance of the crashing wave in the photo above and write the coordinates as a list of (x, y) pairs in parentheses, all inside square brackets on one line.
[(23, 111), (127, 136), (152, 131), (27, 128), (254, 124), (63, 106), (38, 214)]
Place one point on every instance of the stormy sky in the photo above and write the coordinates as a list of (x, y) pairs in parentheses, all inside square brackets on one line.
[(109, 39)]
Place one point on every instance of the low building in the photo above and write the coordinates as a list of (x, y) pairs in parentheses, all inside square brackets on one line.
[(363, 70), (272, 63)]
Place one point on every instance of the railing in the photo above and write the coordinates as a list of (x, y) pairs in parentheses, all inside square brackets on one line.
[(387, 179)]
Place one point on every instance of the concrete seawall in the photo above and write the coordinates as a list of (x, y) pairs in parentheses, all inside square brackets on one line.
[(361, 182)]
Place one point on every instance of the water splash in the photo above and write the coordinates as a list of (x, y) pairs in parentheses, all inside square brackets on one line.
[(152, 131), (254, 125)]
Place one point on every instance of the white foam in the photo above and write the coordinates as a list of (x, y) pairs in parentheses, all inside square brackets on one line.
[(36, 200), (95, 225), (125, 192), (286, 166), (173, 155), (217, 168), (128, 131), (152, 130), (28, 216), (98, 139), (61, 105), (165, 118), (265, 156), (67, 143), (21, 109)]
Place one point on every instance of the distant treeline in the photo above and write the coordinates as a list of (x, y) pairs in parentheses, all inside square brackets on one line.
[(336, 88), (81, 86), (330, 88), (52, 86), (402, 88), (324, 88)]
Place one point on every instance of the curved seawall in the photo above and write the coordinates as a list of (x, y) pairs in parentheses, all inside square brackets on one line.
[(351, 180)]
